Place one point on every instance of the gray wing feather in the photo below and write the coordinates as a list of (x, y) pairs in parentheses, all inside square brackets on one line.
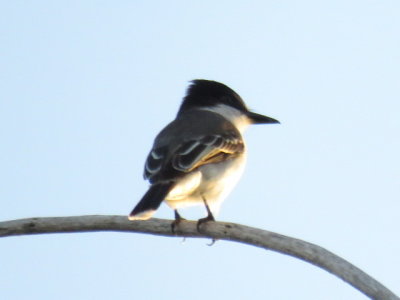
[(193, 153)]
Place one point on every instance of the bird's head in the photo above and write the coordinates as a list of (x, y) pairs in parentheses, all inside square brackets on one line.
[(215, 96)]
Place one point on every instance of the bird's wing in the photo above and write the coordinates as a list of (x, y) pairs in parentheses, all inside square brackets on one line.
[(193, 154), (209, 149)]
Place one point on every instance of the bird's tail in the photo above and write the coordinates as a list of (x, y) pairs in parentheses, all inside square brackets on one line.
[(150, 201)]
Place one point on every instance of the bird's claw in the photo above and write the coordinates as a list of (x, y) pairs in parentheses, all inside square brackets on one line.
[(209, 218), (175, 223)]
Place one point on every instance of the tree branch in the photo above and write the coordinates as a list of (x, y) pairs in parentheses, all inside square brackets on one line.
[(216, 230)]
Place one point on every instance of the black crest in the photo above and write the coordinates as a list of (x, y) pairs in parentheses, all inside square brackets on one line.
[(202, 93)]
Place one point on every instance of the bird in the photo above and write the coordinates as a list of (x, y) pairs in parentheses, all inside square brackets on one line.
[(199, 157)]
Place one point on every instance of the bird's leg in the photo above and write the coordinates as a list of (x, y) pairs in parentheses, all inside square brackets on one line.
[(177, 220), (209, 217)]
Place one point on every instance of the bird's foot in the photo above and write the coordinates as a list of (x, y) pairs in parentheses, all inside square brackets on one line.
[(209, 218), (176, 222)]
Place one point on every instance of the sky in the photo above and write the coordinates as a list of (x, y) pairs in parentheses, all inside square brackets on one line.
[(86, 85)]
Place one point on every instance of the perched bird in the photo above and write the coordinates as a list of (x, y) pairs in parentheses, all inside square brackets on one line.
[(198, 157)]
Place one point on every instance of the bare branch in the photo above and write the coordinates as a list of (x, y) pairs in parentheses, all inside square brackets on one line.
[(216, 230)]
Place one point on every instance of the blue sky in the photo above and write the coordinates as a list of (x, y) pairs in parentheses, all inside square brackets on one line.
[(86, 85)]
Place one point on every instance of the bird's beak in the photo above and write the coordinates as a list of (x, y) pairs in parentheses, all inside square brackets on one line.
[(260, 119)]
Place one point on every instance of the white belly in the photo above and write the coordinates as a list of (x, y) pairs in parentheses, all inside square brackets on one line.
[(213, 182)]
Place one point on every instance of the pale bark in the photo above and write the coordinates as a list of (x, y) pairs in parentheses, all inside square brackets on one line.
[(215, 230)]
